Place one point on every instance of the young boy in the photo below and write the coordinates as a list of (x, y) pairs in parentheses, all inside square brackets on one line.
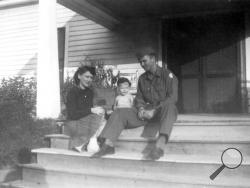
[(124, 98)]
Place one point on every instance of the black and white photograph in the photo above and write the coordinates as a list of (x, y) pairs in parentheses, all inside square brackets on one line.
[(124, 93)]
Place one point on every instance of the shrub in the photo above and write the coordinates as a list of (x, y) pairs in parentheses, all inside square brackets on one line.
[(67, 85), (20, 131), (17, 99), (17, 140)]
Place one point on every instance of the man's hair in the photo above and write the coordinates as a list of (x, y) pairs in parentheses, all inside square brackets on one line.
[(123, 80), (141, 55), (81, 70), (147, 50)]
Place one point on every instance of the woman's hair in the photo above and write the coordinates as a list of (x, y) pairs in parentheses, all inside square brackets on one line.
[(123, 80), (81, 70)]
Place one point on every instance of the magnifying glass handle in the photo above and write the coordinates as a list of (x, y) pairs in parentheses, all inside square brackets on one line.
[(217, 172)]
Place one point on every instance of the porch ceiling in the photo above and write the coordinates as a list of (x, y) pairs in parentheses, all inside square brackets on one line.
[(110, 13), (130, 9)]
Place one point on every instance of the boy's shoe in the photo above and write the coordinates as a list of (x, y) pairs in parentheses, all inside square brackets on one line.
[(81, 148), (105, 150), (77, 149)]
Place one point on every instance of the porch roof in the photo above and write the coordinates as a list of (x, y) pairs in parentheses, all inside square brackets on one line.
[(112, 12)]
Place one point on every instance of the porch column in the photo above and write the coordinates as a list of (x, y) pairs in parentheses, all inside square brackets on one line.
[(48, 89), (247, 54)]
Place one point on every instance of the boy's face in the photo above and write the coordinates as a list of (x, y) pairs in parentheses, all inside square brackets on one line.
[(124, 88)]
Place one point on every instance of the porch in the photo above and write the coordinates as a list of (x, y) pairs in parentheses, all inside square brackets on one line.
[(191, 156), (212, 62)]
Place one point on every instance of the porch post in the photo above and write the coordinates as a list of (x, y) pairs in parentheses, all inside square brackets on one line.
[(247, 55), (48, 91)]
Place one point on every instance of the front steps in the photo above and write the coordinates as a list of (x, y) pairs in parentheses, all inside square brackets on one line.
[(191, 156)]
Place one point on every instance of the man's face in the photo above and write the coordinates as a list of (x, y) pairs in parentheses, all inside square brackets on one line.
[(85, 79), (147, 62)]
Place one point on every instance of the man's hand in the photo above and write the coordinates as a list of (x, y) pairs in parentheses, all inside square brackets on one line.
[(146, 114), (141, 112), (149, 114)]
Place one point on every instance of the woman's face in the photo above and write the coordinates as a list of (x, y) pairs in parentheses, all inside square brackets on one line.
[(85, 79)]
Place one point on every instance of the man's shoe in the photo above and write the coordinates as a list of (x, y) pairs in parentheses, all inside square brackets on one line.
[(105, 150), (155, 154)]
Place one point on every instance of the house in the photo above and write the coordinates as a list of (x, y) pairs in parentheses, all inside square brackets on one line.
[(78, 38), (205, 43)]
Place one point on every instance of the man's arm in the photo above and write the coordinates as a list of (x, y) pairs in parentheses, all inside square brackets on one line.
[(172, 90), (139, 99)]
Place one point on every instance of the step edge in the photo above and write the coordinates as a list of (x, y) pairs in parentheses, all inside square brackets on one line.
[(17, 183), (123, 176), (7, 184), (132, 139), (126, 157)]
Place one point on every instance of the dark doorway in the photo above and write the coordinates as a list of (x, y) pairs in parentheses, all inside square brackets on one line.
[(61, 53), (203, 53)]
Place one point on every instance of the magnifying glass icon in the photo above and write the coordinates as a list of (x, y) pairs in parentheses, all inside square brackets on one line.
[(231, 158)]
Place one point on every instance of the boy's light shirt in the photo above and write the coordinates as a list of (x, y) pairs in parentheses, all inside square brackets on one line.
[(125, 101)]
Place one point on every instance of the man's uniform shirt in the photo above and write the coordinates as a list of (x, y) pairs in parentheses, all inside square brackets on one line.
[(156, 90)]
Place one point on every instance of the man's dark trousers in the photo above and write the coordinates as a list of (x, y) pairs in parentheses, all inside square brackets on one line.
[(127, 118)]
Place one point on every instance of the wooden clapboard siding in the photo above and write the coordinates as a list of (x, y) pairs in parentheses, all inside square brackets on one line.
[(85, 32), (86, 38), (63, 15), (95, 46), (18, 40)]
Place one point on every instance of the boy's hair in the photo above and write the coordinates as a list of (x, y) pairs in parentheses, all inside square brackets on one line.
[(123, 80)]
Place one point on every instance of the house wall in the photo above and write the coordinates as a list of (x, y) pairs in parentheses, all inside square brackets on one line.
[(19, 41)]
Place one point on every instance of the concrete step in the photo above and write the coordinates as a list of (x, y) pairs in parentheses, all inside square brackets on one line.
[(213, 117), (201, 134), (22, 184), (61, 177), (184, 148), (185, 169), (212, 123), (45, 156), (215, 134), (57, 141)]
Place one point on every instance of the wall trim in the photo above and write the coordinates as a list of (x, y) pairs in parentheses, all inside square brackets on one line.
[(16, 3)]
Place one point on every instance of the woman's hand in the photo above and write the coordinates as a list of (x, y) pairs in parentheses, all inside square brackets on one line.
[(98, 110)]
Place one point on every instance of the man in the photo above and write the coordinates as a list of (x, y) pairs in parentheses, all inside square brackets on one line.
[(154, 108)]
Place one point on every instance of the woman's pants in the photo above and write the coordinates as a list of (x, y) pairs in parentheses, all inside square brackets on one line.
[(80, 131)]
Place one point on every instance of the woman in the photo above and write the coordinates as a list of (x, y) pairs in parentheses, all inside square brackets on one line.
[(84, 118)]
